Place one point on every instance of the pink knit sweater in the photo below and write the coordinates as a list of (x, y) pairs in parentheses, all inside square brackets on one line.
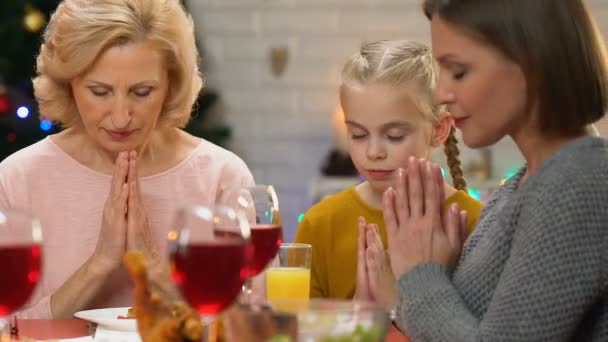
[(68, 198)]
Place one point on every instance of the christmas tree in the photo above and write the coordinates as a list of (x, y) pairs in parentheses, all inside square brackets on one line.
[(21, 26)]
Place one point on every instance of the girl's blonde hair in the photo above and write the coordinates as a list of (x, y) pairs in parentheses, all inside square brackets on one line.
[(405, 64), (80, 30)]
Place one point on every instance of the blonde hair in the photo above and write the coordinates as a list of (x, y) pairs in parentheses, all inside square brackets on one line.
[(80, 30), (403, 63)]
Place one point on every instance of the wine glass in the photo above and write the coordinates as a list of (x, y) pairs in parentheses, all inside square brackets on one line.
[(20, 260), (260, 204), (210, 254)]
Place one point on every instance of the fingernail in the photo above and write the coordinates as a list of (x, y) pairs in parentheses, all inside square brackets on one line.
[(437, 169), (454, 209)]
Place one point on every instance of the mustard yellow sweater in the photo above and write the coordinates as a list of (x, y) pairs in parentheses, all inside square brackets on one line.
[(331, 228)]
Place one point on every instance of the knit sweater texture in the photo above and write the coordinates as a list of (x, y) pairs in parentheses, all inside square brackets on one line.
[(535, 267)]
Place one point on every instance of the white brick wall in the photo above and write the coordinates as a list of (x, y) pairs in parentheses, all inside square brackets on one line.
[(282, 127)]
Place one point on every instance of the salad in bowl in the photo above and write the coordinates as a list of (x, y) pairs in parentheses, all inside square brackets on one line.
[(318, 320)]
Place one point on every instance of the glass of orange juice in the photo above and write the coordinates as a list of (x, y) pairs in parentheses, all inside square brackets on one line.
[(290, 279)]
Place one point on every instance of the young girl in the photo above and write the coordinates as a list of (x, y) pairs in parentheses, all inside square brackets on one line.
[(391, 115), (535, 267)]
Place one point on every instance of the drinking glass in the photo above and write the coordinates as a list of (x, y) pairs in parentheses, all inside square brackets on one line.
[(260, 205), (290, 279), (210, 254), (20, 261)]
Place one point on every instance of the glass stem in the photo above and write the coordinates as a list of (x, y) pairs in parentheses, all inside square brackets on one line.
[(246, 292), (5, 329), (210, 329)]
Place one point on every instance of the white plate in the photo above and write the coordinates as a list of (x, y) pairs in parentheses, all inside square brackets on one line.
[(78, 339), (107, 318)]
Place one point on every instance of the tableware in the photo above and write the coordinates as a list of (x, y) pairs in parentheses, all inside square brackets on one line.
[(290, 278), (108, 318)]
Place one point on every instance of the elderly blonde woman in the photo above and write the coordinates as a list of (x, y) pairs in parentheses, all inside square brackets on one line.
[(121, 78)]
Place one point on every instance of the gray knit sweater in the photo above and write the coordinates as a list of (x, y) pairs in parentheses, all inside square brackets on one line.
[(535, 267)]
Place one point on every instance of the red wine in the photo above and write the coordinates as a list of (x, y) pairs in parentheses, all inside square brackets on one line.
[(20, 267), (210, 275), (266, 240)]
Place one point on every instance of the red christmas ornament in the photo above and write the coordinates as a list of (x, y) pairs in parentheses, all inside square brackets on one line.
[(11, 137), (5, 104)]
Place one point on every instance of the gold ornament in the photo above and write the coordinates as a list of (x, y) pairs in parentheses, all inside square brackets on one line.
[(34, 20)]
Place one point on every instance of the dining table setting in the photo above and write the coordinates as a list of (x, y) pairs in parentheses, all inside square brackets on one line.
[(214, 254), (78, 330)]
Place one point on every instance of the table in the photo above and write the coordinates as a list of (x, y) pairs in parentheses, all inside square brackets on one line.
[(45, 329)]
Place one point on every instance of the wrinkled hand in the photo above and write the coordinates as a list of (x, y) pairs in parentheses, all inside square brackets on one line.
[(362, 291), (139, 237), (381, 279), (418, 231), (111, 243)]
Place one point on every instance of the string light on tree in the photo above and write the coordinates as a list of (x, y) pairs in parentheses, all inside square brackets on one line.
[(474, 193), (34, 20), (11, 137), (23, 112), (510, 174), (46, 125), (5, 103)]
